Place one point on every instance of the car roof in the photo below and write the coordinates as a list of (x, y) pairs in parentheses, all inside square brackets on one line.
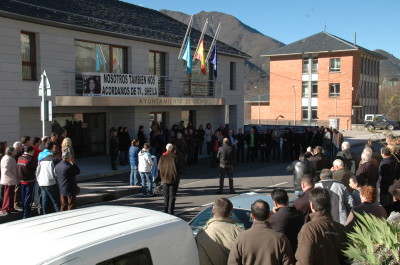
[(45, 237), (244, 201)]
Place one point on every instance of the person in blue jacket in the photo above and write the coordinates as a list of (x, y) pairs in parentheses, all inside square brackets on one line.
[(135, 179)]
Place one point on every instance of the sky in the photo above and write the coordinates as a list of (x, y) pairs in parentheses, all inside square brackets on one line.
[(376, 22)]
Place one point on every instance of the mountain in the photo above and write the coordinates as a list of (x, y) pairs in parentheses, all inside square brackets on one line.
[(390, 68), (242, 37)]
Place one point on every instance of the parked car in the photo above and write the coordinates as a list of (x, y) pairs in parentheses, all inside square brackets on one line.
[(101, 235), (378, 121), (240, 213)]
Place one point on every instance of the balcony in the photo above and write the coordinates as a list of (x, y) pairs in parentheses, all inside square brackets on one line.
[(167, 87)]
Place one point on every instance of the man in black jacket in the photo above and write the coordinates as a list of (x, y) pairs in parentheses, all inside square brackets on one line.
[(303, 203), (241, 139), (285, 219), (348, 158), (386, 176), (66, 172), (299, 168), (226, 157)]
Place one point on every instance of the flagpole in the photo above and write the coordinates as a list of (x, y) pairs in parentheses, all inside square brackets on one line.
[(104, 58), (213, 42), (201, 37), (188, 30)]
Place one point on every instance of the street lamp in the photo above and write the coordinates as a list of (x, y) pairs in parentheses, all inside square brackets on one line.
[(259, 103), (276, 120)]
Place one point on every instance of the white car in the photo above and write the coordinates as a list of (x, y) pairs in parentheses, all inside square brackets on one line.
[(99, 235)]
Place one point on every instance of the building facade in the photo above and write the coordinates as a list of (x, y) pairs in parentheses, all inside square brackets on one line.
[(70, 38), (322, 80)]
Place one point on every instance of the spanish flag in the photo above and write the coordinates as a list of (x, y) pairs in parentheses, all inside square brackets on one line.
[(200, 56)]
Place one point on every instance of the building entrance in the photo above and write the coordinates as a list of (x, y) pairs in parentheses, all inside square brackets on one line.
[(86, 130)]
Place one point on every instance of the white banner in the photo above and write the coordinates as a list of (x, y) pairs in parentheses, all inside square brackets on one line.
[(120, 85)]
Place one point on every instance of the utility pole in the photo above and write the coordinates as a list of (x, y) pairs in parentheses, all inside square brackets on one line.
[(294, 91)]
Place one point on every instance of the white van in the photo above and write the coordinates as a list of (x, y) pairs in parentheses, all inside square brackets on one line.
[(99, 235)]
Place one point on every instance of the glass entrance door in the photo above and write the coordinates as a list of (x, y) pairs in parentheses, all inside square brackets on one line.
[(157, 120), (86, 130)]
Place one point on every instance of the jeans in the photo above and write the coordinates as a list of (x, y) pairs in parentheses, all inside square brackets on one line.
[(147, 178), (134, 177), (50, 199), (170, 197), (27, 191), (336, 150), (276, 148), (298, 193), (240, 153)]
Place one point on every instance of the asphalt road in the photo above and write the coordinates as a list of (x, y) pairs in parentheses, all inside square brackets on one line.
[(200, 182)]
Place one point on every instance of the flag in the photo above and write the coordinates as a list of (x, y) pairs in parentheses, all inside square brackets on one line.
[(99, 58), (186, 56), (200, 56), (214, 60)]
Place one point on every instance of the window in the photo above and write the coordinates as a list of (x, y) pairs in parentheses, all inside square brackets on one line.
[(96, 57), (198, 84), (232, 76), (334, 90), (314, 91), (314, 66), (334, 65), (314, 113), (305, 89), (305, 65), (157, 67), (28, 55), (138, 257)]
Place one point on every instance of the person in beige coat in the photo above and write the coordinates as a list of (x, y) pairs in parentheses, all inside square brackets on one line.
[(216, 239), (9, 179)]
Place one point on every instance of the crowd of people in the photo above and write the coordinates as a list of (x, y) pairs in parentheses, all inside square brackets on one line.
[(321, 152), (40, 171), (330, 192)]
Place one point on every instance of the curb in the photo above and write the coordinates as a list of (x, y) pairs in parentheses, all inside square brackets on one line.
[(106, 195), (87, 177), (85, 199)]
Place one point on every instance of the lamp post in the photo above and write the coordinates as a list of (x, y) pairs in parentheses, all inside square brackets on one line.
[(259, 103), (276, 120)]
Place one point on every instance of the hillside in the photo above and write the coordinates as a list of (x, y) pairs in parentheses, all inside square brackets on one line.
[(240, 36), (390, 68)]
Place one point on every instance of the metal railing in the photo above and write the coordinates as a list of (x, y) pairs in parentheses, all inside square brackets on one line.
[(167, 86)]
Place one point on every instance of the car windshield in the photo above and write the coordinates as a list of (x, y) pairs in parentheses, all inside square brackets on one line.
[(241, 216)]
